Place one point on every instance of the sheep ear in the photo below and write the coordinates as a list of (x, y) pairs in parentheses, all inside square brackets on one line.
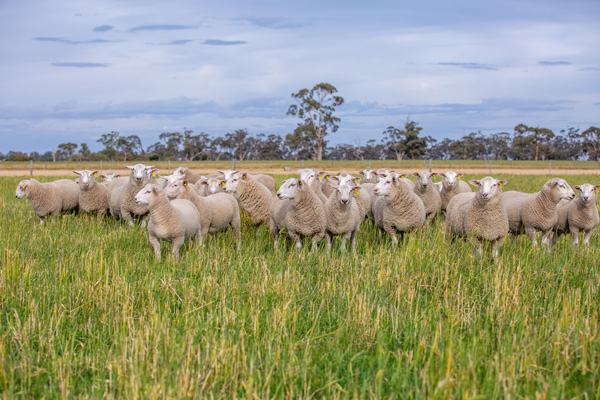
[(24, 184), (474, 182), (402, 176), (597, 188), (443, 175), (117, 175), (129, 166), (103, 176), (149, 167), (502, 183), (356, 190), (95, 173), (362, 173), (77, 172), (185, 183), (222, 183), (333, 185), (155, 191), (244, 176), (459, 176), (577, 187), (434, 174), (415, 174), (335, 179), (356, 181), (300, 183), (154, 171)]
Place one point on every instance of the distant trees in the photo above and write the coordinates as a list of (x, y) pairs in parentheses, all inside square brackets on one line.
[(405, 142), (315, 107)]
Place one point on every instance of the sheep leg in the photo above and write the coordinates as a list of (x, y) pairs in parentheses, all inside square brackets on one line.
[(296, 238), (316, 240), (328, 241), (546, 239), (353, 240), (202, 232), (345, 238), (530, 232), (586, 238), (496, 245), (126, 215), (575, 236), (177, 242), (478, 246), (144, 220), (155, 242), (555, 236)]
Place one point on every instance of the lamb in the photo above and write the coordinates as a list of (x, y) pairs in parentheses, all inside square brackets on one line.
[(109, 176), (306, 214), (217, 212), (532, 212), (309, 176), (172, 221), (266, 180), (93, 195), (428, 193), (254, 197), (184, 173), (363, 199), (209, 186), (121, 199), (451, 186), (480, 216), (400, 209), (578, 215), (343, 215), (50, 198)]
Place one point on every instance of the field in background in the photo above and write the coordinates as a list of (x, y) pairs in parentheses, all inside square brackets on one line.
[(86, 311), (280, 167)]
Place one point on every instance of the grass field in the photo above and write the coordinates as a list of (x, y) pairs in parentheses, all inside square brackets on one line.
[(85, 311)]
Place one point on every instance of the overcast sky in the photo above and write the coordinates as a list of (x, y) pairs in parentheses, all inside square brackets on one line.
[(72, 70)]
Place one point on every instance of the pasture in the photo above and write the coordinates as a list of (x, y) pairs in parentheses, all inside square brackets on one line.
[(87, 312)]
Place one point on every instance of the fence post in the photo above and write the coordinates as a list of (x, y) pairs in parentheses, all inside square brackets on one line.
[(490, 166), (169, 167), (303, 164), (100, 167), (430, 165), (233, 164), (549, 167), (369, 164), (31, 168)]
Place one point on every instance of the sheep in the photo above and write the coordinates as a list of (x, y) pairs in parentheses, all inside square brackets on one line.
[(532, 212), (381, 173), (109, 176), (428, 193), (438, 186), (266, 180), (184, 173), (368, 176), (451, 186), (399, 208), (578, 215), (93, 195), (480, 216), (326, 188), (209, 186), (50, 198), (172, 221), (306, 214), (343, 215), (277, 212), (404, 178), (310, 177), (154, 178), (217, 212), (121, 200), (363, 199), (254, 197)]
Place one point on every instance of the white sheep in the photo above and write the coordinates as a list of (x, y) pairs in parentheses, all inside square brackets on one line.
[(480, 216), (343, 215), (451, 186), (109, 176), (578, 215), (209, 186), (172, 221), (324, 179), (368, 176), (266, 180), (93, 195), (254, 197), (309, 176), (363, 199), (532, 212), (217, 212), (429, 195), (185, 174), (121, 199), (306, 214), (51, 198), (399, 209)]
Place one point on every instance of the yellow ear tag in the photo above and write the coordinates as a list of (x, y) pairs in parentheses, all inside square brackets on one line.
[(597, 190), (320, 176), (153, 173), (500, 185), (356, 192), (95, 176), (356, 180), (223, 183), (459, 177), (24, 186), (327, 177)]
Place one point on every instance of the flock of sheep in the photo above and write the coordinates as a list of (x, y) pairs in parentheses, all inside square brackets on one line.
[(320, 206)]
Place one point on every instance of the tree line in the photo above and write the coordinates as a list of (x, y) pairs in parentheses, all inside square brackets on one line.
[(315, 109)]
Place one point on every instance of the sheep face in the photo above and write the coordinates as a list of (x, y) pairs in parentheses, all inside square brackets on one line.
[(587, 192), (323, 175), (368, 175), (175, 188), (382, 173), (214, 185), (346, 179), (450, 179), (230, 185), (424, 179), (179, 172), (87, 179), (227, 174), (344, 193), (288, 188), (384, 185), (152, 173), (487, 187), (22, 189), (307, 175), (111, 176), (560, 189), (139, 172), (171, 178), (145, 195)]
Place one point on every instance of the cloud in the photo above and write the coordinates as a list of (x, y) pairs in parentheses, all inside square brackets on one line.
[(216, 42), (174, 42), (103, 28), (276, 22), (69, 41), (163, 27), (469, 65), (589, 69), (554, 63), (80, 64)]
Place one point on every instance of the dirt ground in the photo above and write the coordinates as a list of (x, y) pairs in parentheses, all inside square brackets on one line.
[(279, 171)]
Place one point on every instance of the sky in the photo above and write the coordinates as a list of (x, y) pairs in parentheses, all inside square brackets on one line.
[(73, 70)]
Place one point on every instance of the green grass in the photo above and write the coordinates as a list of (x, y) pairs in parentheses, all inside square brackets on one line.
[(85, 311)]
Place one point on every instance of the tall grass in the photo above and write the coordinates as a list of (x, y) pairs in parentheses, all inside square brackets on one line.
[(85, 311)]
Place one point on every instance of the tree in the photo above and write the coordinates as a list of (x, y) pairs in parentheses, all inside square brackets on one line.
[(109, 141), (538, 138), (590, 141), (172, 142), (239, 144), (299, 144), (194, 145), (405, 142), (269, 148), (84, 151), (129, 145), (67, 150), (315, 108)]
